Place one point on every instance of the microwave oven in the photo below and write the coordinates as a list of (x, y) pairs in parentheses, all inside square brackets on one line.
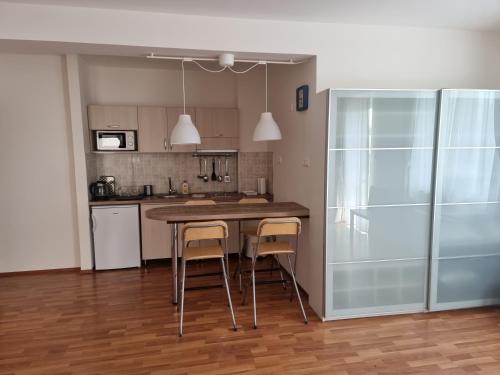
[(115, 140)]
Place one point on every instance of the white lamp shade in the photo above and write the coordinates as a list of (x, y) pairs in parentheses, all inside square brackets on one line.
[(184, 132), (266, 129)]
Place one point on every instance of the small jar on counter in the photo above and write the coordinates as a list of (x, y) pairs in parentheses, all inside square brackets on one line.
[(185, 187)]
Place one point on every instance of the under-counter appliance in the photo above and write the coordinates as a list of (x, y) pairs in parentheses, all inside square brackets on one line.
[(116, 236), (115, 140)]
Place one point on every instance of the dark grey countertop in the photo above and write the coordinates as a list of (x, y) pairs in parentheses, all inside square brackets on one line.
[(178, 199)]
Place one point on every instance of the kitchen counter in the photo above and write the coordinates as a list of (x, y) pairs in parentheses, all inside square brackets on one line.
[(178, 199)]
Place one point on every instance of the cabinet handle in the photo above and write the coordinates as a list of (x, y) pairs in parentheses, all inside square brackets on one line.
[(165, 143), (113, 126)]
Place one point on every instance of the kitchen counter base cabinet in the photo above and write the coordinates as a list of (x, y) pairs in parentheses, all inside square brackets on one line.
[(116, 237), (157, 236)]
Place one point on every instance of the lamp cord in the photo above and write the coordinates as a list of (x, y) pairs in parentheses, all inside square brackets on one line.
[(266, 87), (183, 90), (243, 71), (224, 68), (208, 70)]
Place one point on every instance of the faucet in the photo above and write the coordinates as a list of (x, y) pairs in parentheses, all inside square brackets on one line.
[(171, 190)]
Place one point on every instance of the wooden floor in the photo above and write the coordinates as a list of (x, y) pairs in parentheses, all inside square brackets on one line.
[(122, 322)]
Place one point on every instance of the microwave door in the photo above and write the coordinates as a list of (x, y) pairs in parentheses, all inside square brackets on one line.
[(113, 141)]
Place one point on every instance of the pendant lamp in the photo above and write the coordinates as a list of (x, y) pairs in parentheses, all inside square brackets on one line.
[(184, 132), (266, 129)]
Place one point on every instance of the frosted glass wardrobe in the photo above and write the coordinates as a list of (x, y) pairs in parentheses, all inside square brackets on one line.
[(413, 201)]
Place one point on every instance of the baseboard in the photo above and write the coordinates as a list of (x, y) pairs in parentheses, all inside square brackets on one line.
[(41, 272)]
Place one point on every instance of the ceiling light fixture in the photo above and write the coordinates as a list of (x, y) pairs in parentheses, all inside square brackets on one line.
[(184, 132), (267, 129)]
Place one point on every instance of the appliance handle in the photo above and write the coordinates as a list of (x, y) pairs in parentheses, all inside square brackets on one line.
[(94, 223)]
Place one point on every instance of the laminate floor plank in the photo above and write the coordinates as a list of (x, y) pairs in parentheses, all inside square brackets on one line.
[(122, 322)]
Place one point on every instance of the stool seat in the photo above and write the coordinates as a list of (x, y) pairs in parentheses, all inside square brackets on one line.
[(269, 248), (203, 252)]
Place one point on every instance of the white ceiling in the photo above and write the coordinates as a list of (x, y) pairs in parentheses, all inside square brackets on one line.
[(457, 14)]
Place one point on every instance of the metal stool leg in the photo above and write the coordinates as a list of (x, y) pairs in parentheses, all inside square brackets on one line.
[(254, 299), (292, 272), (281, 272), (228, 295), (182, 295)]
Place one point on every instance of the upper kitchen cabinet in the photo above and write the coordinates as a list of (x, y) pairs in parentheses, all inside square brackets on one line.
[(218, 127), (226, 122), (108, 117), (172, 118), (152, 129)]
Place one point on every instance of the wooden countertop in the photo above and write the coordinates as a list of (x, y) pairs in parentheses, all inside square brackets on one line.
[(229, 211), (157, 199)]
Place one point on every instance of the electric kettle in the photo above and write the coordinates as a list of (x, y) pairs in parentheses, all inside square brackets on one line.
[(99, 190)]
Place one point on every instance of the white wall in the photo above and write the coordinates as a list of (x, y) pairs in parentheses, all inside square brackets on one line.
[(303, 141), (151, 82), (37, 218)]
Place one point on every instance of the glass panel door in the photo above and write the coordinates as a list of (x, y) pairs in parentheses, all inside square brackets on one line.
[(378, 214), (465, 266)]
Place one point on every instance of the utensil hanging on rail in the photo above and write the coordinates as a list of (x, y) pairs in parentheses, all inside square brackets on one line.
[(227, 178), (200, 175), (219, 177), (205, 176), (213, 177)]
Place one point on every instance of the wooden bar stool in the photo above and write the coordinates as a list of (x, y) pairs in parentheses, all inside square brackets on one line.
[(207, 230), (248, 233), (288, 226)]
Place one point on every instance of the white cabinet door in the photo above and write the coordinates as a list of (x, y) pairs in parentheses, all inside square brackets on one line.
[(152, 129), (116, 237)]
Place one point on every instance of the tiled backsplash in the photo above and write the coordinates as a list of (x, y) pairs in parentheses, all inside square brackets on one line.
[(253, 165), (138, 169)]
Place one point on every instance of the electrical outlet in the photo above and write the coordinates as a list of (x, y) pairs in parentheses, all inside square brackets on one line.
[(306, 162)]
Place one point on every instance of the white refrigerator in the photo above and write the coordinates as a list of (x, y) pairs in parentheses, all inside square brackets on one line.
[(116, 236)]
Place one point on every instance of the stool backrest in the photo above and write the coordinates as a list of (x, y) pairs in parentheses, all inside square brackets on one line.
[(252, 200), (283, 226), (205, 230), (200, 202)]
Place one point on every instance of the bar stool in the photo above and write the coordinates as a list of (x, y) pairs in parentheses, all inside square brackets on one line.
[(208, 230), (248, 233), (288, 226)]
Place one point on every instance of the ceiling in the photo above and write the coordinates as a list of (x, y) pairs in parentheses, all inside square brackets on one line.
[(456, 14)]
